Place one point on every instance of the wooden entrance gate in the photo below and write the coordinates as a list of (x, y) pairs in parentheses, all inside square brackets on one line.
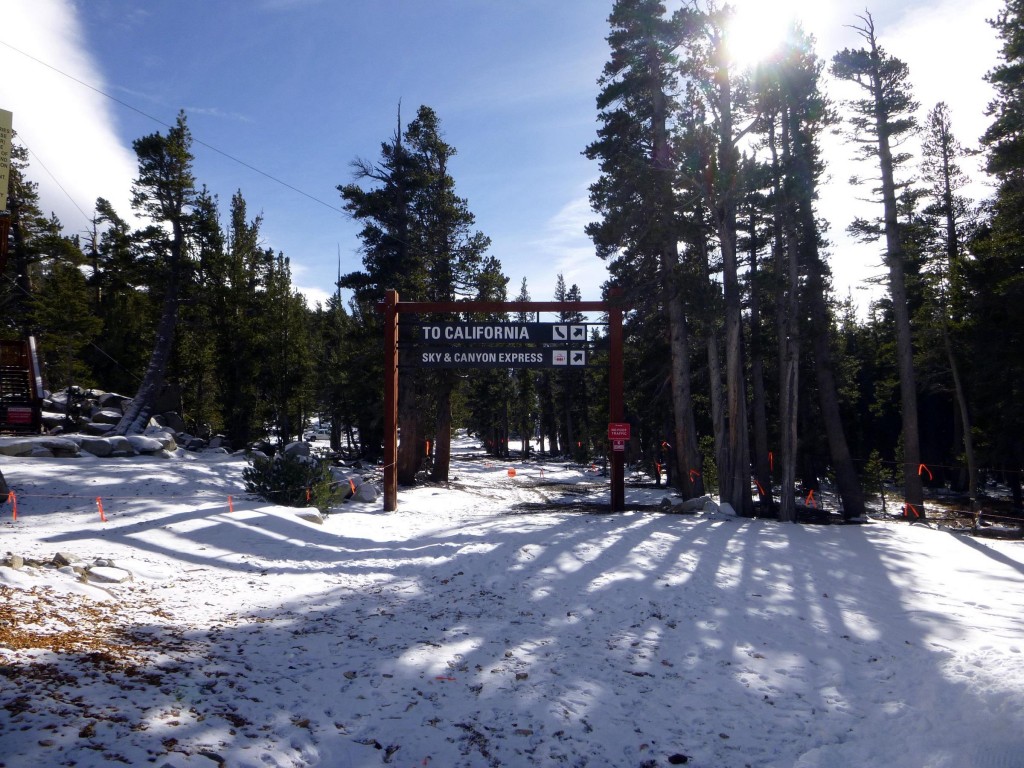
[(392, 308)]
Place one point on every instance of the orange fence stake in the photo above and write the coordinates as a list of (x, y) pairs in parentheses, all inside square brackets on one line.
[(231, 504), (99, 506), (14, 504)]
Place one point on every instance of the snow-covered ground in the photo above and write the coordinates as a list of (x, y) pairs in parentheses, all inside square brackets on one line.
[(463, 630)]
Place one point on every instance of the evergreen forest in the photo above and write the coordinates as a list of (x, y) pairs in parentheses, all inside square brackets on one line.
[(747, 374)]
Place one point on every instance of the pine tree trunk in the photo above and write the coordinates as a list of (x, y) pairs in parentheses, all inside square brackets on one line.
[(443, 433), (913, 487), (736, 476), (759, 399), (408, 421), (721, 435), (136, 415), (965, 418), (850, 491), (789, 383), (715, 386), (687, 452), (567, 420)]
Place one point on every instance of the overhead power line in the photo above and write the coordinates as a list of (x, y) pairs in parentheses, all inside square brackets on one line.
[(56, 181), (158, 121)]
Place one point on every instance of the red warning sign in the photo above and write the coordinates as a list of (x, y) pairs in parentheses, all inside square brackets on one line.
[(618, 431)]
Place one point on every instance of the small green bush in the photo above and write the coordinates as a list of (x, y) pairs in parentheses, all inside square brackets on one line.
[(293, 481), (710, 474)]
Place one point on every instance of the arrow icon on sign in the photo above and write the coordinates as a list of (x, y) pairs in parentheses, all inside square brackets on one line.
[(578, 358), (579, 332)]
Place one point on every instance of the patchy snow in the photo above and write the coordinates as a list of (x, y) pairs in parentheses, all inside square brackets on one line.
[(464, 631)]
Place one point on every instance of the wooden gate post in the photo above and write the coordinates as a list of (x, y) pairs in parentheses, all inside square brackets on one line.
[(616, 412), (391, 401)]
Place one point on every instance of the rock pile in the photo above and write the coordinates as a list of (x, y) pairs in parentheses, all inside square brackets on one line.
[(99, 571), (80, 421), (701, 505), (157, 441)]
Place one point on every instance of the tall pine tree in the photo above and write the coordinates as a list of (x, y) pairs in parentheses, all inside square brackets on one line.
[(165, 192), (881, 119)]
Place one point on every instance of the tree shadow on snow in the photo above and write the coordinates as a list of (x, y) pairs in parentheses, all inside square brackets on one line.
[(562, 639)]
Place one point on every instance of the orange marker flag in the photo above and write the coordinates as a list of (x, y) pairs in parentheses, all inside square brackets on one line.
[(924, 468), (810, 501)]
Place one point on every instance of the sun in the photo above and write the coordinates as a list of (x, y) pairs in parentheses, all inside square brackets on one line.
[(759, 27)]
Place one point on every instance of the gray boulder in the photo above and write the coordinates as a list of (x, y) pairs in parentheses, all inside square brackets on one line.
[(164, 436), (113, 401), (367, 493), (106, 416), (108, 575), (171, 420), (297, 449), (97, 429), (143, 444), (97, 446), (16, 446)]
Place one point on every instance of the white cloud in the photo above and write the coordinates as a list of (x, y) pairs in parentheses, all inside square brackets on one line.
[(564, 248), (68, 128), (313, 296)]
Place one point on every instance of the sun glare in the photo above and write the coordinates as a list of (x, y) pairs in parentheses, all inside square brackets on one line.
[(759, 27)]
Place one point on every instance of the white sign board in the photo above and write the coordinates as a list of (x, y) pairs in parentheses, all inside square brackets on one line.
[(6, 130)]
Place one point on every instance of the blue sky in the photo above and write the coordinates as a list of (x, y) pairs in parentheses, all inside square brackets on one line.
[(299, 88)]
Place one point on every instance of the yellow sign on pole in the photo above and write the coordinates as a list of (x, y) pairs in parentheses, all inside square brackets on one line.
[(6, 130)]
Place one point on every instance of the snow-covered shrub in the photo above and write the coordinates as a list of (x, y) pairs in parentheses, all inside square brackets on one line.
[(292, 480)]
